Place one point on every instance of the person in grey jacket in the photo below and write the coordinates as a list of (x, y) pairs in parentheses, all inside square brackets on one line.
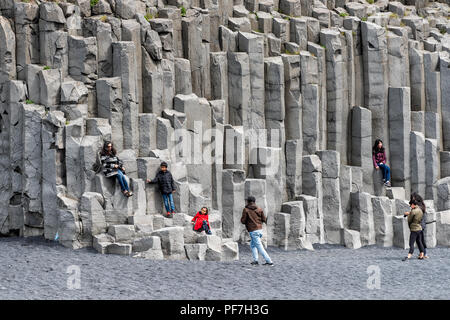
[(166, 185), (112, 166)]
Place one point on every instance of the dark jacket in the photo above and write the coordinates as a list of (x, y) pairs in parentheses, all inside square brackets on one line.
[(108, 165), (164, 181), (378, 157), (253, 217)]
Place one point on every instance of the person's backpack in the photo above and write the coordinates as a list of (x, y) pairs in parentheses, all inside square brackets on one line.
[(423, 222)]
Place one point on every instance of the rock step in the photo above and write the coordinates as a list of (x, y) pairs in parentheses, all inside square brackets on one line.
[(396, 193)]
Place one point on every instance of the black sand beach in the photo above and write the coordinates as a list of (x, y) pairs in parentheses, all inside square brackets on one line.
[(37, 269)]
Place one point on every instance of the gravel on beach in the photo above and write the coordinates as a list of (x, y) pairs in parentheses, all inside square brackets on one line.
[(34, 268)]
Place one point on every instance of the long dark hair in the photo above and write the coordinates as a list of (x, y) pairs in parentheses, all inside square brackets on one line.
[(104, 151), (207, 211), (375, 148), (415, 197)]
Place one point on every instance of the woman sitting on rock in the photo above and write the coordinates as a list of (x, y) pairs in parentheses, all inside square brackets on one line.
[(379, 161), (112, 166)]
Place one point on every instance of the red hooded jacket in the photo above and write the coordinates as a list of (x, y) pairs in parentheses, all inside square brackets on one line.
[(200, 218)]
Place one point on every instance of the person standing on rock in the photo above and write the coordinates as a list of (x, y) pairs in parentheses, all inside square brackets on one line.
[(379, 161), (253, 218), (166, 185), (112, 166), (414, 221)]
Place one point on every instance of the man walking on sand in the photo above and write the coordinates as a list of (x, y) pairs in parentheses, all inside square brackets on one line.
[(253, 218)]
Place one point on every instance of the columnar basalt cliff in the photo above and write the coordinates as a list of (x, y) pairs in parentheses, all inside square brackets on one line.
[(279, 99)]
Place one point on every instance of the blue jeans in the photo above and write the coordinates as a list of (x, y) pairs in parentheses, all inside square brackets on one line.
[(168, 202), (204, 227), (386, 171), (256, 245), (122, 181)]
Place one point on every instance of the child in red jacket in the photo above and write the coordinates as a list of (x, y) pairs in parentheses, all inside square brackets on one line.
[(201, 221)]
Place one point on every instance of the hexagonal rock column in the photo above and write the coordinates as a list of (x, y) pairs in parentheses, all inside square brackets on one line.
[(399, 136), (310, 102), (131, 31), (314, 228), (312, 186), (375, 76), (362, 145), (233, 186), (417, 76), (26, 18), (352, 239), (398, 57), (353, 24), (103, 32), (253, 45), (362, 219), (444, 67), (432, 168), (297, 238), (53, 47), (109, 106), (197, 53), (400, 223), (443, 228), (183, 84), (11, 155), (172, 242), (153, 88), (417, 162), (383, 213), (443, 194), (83, 58), (430, 228), (52, 169), (337, 91), (238, 87), (74, 132), (292, 97), (32, 169), (331, 203), (124, 61), (294, 151)]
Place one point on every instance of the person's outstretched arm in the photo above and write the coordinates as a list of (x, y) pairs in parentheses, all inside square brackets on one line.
[(153, 180), (194, 218)]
